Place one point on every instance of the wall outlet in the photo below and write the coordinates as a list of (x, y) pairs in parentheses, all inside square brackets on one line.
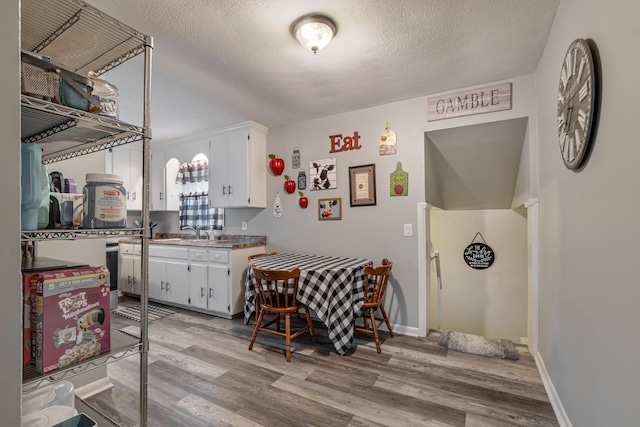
[(244, 225), (408, 230)]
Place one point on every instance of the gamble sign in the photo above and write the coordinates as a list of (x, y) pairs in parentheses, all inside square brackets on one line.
[(479, 256)]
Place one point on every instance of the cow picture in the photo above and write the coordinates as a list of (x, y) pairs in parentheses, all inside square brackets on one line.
[(329, 209), (323, 174)]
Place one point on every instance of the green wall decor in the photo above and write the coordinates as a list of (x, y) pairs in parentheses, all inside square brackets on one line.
[(399, 182)]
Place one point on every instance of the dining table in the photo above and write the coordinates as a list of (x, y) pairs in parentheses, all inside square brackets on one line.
[(331, 286)]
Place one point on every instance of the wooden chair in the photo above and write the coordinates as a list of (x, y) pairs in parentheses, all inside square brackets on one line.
[(254, 256), (376, 280), (277, 290), (250, 257)]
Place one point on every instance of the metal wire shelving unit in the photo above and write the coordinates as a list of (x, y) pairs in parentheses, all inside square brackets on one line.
[(80, 38)]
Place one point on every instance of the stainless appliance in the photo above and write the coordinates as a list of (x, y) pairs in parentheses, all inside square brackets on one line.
[(112, 265)]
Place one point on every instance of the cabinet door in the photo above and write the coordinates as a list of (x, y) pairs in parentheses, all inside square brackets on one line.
[(121, 165), (173, 189), (157, 278), (125, 272), (137, 274), (128, 164), (177, 282), (157, 184), (135, 169), (218, 294), (237, 175), (218, 172), (198, 285)]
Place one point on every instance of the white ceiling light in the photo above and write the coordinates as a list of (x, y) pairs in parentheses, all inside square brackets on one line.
[(314, 31)]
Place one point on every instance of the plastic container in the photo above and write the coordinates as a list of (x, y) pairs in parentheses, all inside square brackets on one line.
[(60, 393), (31, 183), (107, 94), (49, 417), (43, 209), (104, 201)]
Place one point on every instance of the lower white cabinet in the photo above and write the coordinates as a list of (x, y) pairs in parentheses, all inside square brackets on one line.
[(169, 274), (129, 268), (209, 280)]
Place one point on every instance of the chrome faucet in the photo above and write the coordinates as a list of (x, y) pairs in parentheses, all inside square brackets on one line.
[(195, 229)]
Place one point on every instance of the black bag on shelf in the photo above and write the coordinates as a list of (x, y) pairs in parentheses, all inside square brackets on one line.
[(57, 182)]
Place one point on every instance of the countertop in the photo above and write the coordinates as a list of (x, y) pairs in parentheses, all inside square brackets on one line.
[(227, 241)]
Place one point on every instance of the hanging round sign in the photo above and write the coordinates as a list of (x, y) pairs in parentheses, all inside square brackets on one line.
[(479, 255)]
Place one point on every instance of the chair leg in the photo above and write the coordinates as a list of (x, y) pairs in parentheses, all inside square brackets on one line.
[(375, 330), (256, 328), (310, 323), (386, 319), (288, 335)]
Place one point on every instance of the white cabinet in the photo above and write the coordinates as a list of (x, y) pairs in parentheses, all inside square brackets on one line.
[(129, 268), (217, 283), (238, 166), (127, 163), (165, 162), (169, 274), (205, 279), (156, 182)]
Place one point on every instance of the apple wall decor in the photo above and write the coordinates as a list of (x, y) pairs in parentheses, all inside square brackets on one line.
[(399, 182), (303, 201), (289, 185), (387, 144), (276, 165)]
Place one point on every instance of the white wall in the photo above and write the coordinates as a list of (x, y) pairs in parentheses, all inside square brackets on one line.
[(11, 301), (367, 231), (589, 269), (490, 302)]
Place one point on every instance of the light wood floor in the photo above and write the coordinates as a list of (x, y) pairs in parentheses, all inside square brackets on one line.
[(202, 374)]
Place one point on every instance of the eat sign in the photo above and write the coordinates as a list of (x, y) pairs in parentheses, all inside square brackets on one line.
[(338, 143)]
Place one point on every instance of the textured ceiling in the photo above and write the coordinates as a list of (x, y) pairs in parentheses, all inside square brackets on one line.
[(216, 63)]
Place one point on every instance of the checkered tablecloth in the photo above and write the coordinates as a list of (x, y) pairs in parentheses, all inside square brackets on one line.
[(333, 287)]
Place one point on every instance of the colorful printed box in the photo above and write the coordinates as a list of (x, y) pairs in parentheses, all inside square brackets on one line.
[(72, 317)]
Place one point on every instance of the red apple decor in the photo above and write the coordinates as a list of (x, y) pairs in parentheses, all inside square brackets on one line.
[(276, 165), (289, 185), (303, 201)]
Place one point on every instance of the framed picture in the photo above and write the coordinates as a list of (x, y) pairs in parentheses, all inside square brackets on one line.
[(362, 185), (323, 174), (329, 209)]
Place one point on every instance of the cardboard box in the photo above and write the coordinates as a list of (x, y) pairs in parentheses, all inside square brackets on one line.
[(72, 316)]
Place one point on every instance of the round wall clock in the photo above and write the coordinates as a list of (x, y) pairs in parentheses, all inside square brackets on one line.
[(576, 98)]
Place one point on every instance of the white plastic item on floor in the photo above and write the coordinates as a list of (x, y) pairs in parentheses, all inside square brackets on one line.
[(49, 416), (36, 404)]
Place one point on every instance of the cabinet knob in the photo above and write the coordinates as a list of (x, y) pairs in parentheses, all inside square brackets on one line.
[(161, 195), (166, 285), (161, 285), (210, 293), (229, 189), (202, 292), (224, 190)]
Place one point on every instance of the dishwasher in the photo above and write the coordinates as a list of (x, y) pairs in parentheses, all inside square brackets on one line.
[(112, 265)]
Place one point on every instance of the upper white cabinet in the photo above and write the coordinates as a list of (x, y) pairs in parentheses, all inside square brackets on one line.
[(238, 167), (126, 161)]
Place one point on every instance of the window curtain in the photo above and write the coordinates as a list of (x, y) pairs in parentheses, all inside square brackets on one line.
[(194, 207)]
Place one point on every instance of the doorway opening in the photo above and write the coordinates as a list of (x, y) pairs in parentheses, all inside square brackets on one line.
[(478, 180)]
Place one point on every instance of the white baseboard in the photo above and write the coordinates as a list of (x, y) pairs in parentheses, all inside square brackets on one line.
[(556, 403), (93, 388)]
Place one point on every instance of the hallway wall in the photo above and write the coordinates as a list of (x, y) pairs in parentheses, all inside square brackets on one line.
[(589, 269), (490, 302)]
